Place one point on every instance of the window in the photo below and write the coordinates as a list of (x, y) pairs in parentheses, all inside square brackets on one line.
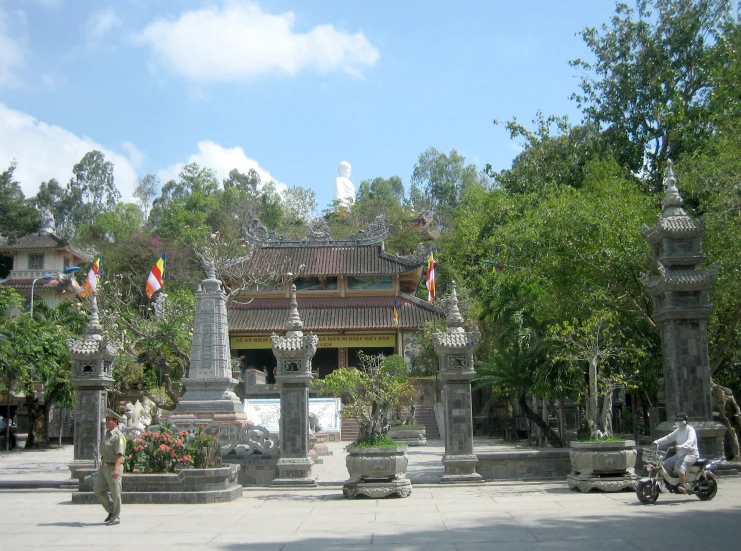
[(35, 261), (370, 283), (316, 283), (66, 262)]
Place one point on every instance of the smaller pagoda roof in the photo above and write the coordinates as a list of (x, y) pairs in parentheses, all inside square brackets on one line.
[(41, 242), (680, 280), (42, 284), (263, 315)]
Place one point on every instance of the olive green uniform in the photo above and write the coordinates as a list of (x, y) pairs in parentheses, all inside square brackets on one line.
[(107, 488)]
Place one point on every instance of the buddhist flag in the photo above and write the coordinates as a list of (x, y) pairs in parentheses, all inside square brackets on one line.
[(497, 266), (91, 283), (430, 281), (396, 313), (156, 278)]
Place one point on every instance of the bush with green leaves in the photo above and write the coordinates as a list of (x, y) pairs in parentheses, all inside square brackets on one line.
[(370, 394)]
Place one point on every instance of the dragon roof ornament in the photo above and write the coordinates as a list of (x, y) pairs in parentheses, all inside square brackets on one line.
[(317, 236)]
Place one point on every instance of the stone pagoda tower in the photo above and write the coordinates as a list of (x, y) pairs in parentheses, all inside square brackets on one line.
[(681, 308), (294, 353), (92, 376), (209, 388), (455, 348)]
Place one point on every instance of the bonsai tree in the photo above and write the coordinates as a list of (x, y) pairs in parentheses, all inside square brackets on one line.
[(598, 344), (370, 394)]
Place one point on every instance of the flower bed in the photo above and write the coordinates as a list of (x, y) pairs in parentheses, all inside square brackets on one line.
[(165, 451)]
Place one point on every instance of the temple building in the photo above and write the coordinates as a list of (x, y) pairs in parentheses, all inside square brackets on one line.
[(346, 290), (42, 257)]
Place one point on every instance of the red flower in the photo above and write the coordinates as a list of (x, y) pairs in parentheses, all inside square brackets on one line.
[(172, 454), (178, 442)]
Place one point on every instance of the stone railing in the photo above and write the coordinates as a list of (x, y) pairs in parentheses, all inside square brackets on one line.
[(543, 464)]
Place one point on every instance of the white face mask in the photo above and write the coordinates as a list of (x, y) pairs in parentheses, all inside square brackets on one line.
[(682, 423)]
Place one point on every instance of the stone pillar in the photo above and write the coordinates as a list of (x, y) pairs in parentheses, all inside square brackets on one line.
[(92, 376), (209, 387), (681, 308), (294, 353), (455, 348)]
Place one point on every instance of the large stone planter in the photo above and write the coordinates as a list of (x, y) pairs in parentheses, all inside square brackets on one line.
[(608, 466), (189, 486), (377, 472), (409, 436)]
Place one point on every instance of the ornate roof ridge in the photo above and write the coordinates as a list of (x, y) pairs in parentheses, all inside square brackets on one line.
[(317, 236)]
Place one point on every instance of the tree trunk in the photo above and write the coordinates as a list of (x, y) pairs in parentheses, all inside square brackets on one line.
[(510, 423), (606, 416), (592, 412), (552, 437), (727, 410), (35, 420), (562, 417)]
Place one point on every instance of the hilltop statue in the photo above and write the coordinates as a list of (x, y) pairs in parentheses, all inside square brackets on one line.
[(344, 190)]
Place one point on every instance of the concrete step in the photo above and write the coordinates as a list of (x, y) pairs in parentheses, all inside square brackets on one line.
[(425, 415), (350, 430)]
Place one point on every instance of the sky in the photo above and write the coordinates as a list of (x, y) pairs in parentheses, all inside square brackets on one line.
[(289, 88)]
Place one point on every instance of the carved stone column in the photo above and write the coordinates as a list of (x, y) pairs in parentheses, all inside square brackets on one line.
[(681, 308), (293, 354), (455, 348), (92, 376)]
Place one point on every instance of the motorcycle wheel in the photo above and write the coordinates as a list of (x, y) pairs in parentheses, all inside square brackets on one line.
[(706, 492), (647, 493)]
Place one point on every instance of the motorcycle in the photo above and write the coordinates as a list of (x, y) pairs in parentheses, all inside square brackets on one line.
[(700, 478)]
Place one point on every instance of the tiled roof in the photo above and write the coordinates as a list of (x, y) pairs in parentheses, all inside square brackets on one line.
[(37, 242), (328, 261), (332, 314), (46, 284), (680, 224)]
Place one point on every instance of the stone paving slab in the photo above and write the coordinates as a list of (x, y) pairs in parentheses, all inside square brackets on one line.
[(504, 517)]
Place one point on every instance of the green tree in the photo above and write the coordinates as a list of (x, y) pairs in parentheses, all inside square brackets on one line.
[(649, 83), (18, 217), (36, 353), (444, 178), (145, 192)]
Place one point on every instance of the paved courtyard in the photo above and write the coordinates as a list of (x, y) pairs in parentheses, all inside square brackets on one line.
[(501, 516)]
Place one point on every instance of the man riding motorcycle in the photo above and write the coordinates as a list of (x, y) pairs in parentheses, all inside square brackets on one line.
[(686, 449)]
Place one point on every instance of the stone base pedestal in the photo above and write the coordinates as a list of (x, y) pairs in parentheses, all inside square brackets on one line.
[(80, 468), (410, 437), (377, 489), (460, 468), (294, 471), (586, 482), (188, 487), (710, 435)]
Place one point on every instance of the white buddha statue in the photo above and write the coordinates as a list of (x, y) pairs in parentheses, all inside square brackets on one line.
[(344, 190)]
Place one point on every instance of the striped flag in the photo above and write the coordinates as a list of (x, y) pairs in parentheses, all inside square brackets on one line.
[(156, 279), (396, 313), (91, 283), (430, 281)]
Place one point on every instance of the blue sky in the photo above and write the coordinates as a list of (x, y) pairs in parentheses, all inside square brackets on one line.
[(289, 88)]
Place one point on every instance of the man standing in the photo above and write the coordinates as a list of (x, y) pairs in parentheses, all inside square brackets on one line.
[(686, 452), (108, 481)]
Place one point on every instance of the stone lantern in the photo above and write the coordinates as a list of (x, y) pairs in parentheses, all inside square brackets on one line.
[(681, 308), (293, 354), (455, 348), (92, 376)]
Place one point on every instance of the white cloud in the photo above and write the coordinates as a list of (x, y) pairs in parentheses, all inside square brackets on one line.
[(223, 160), (99, 23), (12, 50), (239, 41), (43, 151)]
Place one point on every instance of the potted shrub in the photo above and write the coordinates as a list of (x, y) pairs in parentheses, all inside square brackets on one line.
[(376, 463), (602, 460)]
